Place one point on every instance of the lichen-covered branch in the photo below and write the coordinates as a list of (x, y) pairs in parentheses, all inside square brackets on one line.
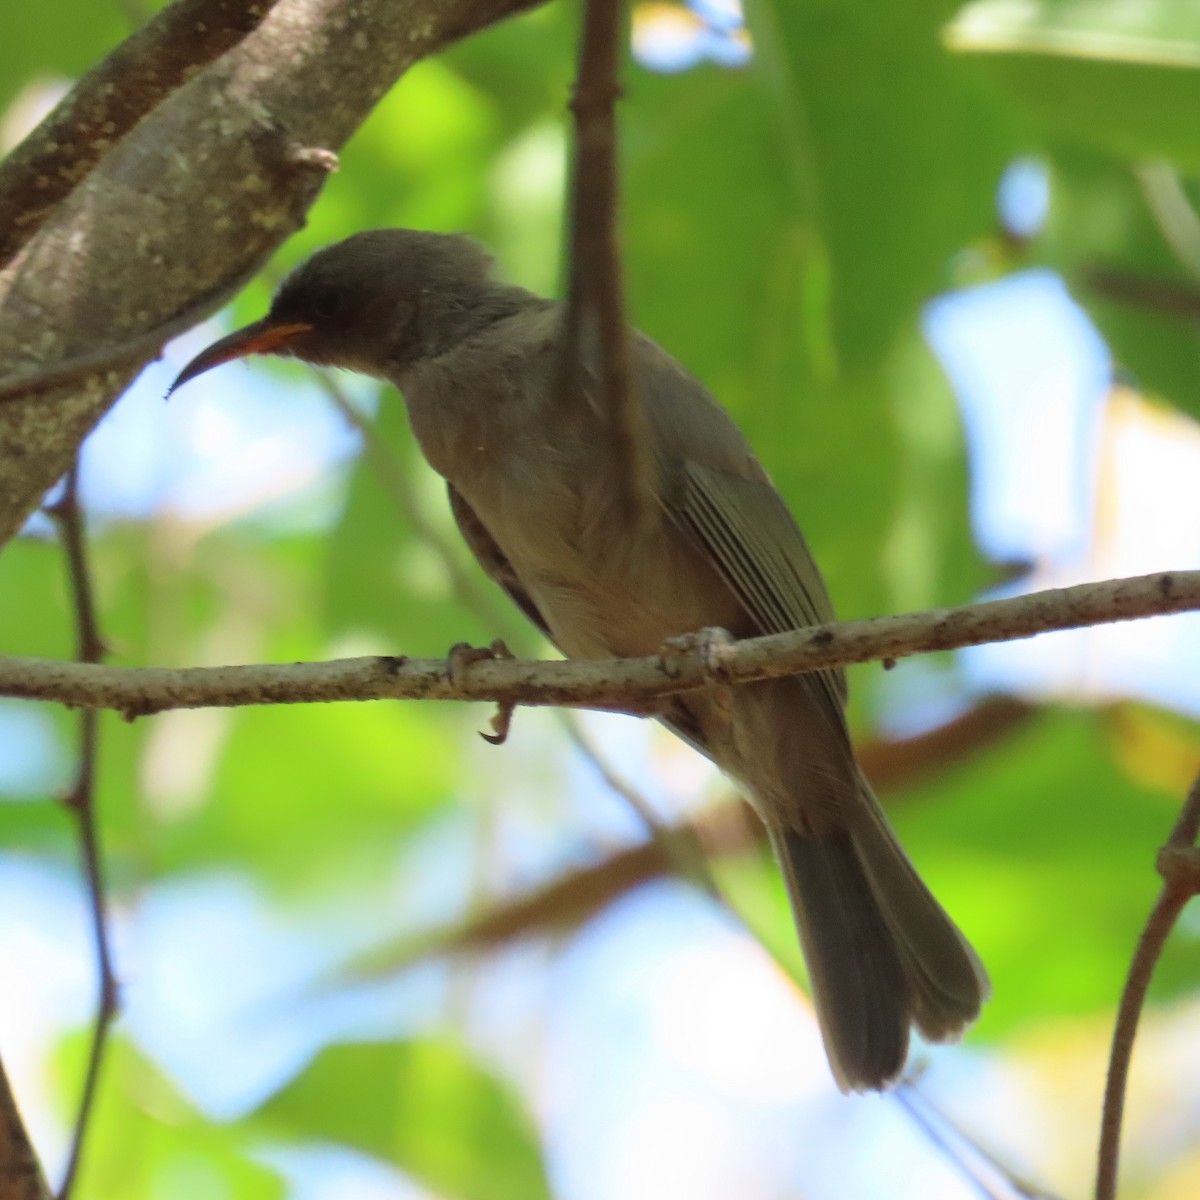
[(108, 102)]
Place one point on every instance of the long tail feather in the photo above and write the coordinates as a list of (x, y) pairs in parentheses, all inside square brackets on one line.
[(882, 953)]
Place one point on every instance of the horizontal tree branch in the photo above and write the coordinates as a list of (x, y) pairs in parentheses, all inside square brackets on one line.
[(631, 685)]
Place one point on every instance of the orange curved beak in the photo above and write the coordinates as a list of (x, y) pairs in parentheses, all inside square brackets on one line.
[(259, 338)]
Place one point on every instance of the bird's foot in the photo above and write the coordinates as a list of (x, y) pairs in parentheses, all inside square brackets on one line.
[(710, 647), (462, 654), (460, 657)]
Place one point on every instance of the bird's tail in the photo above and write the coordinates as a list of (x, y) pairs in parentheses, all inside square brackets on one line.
[(882, 954)]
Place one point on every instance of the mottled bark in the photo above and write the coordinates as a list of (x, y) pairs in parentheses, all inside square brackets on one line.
[(109, 101)]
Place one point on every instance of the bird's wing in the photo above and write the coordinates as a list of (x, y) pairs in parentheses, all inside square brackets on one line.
[(749, 533), (491, 558), (717, 492), (747, 526)]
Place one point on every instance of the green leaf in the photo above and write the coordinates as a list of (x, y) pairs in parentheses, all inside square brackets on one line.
[(734, 284), (895, 152), (1043, 849), (771, 274), (66, 45), (35, 613), (311, 793), (1123, 76), (146, 1141), (1101, 220), (930, 557), (423, 1105)]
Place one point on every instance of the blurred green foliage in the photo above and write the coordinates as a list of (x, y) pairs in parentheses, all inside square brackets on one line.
[(783, 225), (425, 1105)]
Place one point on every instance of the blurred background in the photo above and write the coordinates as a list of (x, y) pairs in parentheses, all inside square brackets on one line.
[(943, 265)]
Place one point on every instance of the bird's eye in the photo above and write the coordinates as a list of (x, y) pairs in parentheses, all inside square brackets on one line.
[(327, 303)]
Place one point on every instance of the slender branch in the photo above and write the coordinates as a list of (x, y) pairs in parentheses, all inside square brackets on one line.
[(1179, 865), (81, 801), (21, 1175), (595, 296), (623, 685), (1167, 297), (108, 102), (569, 900)]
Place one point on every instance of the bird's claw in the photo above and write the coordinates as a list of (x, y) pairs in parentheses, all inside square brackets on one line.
[(501, 723), (462, 654), (710, 646), (459, 658)]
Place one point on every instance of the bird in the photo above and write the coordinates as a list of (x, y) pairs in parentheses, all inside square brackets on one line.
[(536, 486)]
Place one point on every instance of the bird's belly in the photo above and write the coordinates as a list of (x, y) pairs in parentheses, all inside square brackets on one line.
[(606, 585), (625, 597)]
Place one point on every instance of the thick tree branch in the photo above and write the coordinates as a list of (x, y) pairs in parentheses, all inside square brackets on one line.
[(20, 1172), (625, 685), (108, 102), (188, 205), (1179, 866)]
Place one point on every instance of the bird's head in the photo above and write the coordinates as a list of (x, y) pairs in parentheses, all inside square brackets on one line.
[(376, 303)]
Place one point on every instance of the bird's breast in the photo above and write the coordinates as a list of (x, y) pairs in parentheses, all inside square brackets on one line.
[(605, 584)]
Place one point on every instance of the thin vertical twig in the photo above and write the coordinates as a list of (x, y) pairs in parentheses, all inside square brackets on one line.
[(81, 800), (1179, 865), (595, 292)]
